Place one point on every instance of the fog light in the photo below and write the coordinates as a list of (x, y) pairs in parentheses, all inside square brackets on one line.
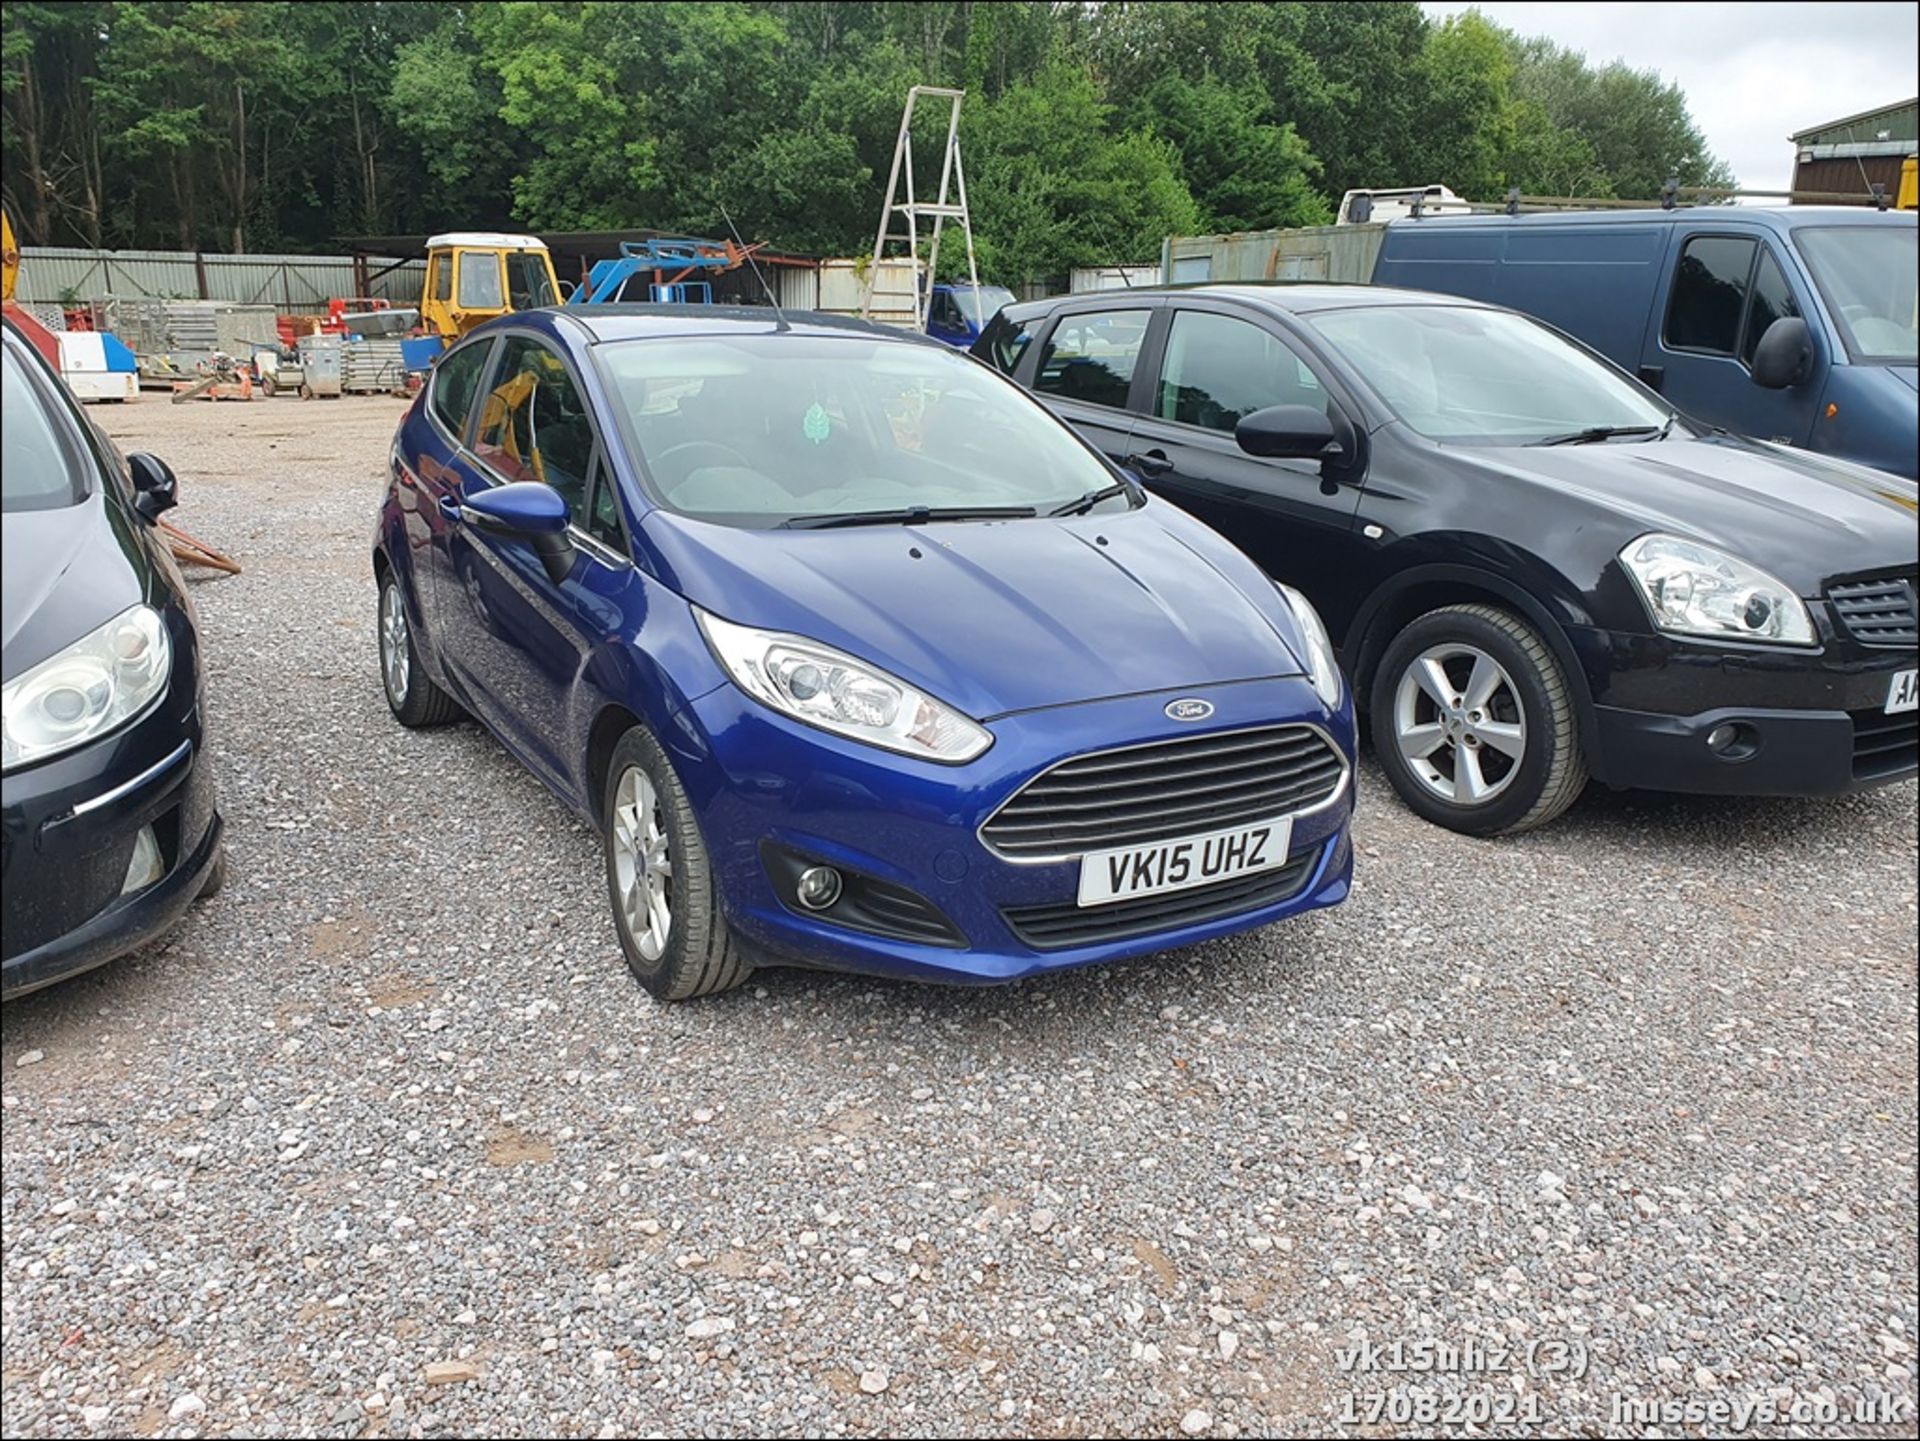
[(1722, 736), (818, 887), (146, 866)]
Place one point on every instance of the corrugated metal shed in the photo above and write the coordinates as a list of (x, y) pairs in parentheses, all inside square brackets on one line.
[(299, 284), (1893, 126), (1318, 252)]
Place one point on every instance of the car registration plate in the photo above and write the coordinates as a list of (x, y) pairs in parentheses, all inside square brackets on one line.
[(1903, 693), (1133, 871)]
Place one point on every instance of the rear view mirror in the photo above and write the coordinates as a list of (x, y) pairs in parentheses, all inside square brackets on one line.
[(154, 487), (1784, 356), (1297, 432)]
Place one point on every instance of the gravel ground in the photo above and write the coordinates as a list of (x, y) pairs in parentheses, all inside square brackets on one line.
[(384, 1141)]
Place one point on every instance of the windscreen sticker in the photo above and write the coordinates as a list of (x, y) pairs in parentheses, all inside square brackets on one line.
[(816, 426)]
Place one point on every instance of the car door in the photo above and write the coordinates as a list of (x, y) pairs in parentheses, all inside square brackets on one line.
[(1214, 366), (429, 473), (1088, 367), (1723, 291), (515, 639)]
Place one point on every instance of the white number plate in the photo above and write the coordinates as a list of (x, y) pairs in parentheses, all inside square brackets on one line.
[(1122, 875), (1902, 694)]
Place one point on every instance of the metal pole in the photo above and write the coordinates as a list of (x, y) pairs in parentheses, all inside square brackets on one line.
[(946, 178), (886, 210)]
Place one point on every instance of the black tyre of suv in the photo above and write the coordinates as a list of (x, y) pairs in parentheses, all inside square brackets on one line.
[(1473, 721)]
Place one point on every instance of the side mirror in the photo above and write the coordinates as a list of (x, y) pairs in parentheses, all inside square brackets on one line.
[(1784, 356), (155, 489), (529, 511), (1297, 432)]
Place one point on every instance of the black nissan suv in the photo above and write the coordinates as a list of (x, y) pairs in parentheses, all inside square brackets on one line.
[(1536, 570)]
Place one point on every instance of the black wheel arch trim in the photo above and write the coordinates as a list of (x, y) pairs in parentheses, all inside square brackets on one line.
[(1363, 647)]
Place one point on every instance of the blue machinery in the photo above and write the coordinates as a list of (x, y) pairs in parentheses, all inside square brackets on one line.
[(670, 260)]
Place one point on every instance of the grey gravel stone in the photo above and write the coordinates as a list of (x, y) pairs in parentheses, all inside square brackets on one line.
[(1697, 1016)]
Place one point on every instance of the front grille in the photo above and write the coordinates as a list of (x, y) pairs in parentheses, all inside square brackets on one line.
[(1877, 612), (1165, 790), (1884, 745), (1055, 927)]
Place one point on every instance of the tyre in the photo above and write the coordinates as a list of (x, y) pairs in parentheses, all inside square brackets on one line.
[(659, 881), (1474, 724), (411, 694), (306, 392)]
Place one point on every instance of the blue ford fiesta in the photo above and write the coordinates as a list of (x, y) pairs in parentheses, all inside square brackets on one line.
[(854, 655)]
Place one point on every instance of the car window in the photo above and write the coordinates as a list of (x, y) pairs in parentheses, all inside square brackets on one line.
[(1005, 341), (533, 423), (603, 517), (39, 469), (1770, 300), (1709, 291), (443, 277), (1219, 369), (480, 280), (1482, 377), (455, 378), (1090, 357), (761, 429), (945, 312)]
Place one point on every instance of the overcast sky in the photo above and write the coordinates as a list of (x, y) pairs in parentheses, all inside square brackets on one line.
[(1752, 73)]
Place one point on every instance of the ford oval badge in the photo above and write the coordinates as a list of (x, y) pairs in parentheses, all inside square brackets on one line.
[(1189, 710)]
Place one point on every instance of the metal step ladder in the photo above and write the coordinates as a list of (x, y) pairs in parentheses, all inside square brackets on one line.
[(953, 181)]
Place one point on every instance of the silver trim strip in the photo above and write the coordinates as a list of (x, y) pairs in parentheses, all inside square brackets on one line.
[(1339, 789), (127, 787)]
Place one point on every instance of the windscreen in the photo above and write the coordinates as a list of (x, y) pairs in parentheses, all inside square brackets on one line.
[(37, 469), (1482, 376), (760, 430), (1866, 273), (980, 306)]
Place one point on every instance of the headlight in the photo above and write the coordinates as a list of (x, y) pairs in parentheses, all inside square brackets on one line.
[(1322, 668), (95, 684), (1693, 589), (826, 688)]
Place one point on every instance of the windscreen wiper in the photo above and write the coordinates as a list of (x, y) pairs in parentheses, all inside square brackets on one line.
[(1092, 498), (907, 515), (1599, 432)]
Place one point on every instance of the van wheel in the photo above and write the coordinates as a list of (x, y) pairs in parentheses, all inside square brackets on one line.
[(660, 882), (1474, 724)]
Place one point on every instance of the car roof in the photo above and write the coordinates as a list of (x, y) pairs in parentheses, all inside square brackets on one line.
[(641, 320), (1284, 295)]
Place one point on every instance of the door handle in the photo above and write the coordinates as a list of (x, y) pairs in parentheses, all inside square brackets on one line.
[(1153, 462), (451, 510)]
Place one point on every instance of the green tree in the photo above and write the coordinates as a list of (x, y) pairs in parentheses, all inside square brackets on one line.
[(1470, 121), (1636, 124), (1246, 172)]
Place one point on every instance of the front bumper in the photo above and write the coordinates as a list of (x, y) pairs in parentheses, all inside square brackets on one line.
[(69, 828), (759, 781), (1808, 722)]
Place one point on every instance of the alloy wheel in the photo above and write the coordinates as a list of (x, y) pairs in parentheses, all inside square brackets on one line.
[(394, 665), (1459, 724), (643, 869)]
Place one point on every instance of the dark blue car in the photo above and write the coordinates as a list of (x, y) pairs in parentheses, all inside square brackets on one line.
[(853, 654)]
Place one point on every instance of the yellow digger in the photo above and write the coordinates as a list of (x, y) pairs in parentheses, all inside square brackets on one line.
[(475, 275)]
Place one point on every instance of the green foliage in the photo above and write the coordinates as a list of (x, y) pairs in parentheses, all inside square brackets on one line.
[(1091, 131)]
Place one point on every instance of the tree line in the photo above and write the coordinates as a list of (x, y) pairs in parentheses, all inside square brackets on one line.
[(1089, 132)]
